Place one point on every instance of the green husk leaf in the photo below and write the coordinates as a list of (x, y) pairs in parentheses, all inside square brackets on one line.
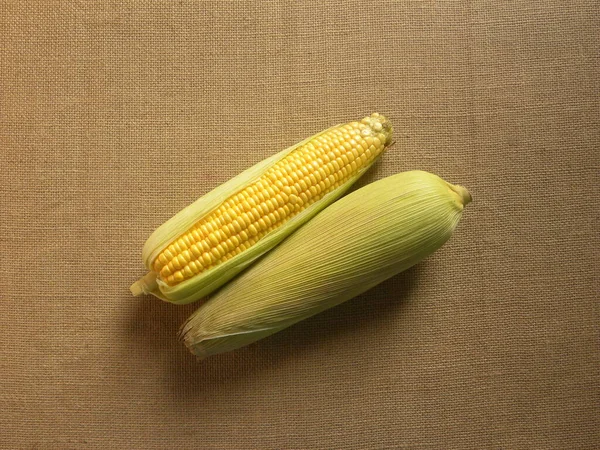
[(353, 245)]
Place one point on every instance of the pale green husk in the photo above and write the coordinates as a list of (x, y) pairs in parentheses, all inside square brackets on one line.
[(354, 244), (204, 283)]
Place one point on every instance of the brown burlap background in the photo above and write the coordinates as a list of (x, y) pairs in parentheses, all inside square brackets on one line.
[(114, 115)]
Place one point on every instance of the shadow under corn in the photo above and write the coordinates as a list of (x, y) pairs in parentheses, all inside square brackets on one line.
[(189, 378), (153, 327)]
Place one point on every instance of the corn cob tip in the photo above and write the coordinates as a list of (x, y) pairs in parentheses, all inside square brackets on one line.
[(379, 124)]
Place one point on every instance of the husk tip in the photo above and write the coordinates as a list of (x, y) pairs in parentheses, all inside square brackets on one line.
[(185, 337), (463, 193), (144, 285)]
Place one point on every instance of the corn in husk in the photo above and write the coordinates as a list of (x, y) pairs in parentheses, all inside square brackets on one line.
[(354, 244), (209, 242)]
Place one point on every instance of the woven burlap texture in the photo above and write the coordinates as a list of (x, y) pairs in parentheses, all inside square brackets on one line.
[(115, 115)]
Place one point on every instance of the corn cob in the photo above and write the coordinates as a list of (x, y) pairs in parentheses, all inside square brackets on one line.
[(354, 244), (207, 243)]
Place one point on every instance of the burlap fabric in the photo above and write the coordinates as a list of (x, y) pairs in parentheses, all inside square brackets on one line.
[(115, 115)]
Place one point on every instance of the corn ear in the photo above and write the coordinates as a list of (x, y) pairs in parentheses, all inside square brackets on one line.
[(354, 244), (213, 239)]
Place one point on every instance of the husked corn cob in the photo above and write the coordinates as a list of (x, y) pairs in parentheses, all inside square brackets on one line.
[(354, 244), (212, 240)]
